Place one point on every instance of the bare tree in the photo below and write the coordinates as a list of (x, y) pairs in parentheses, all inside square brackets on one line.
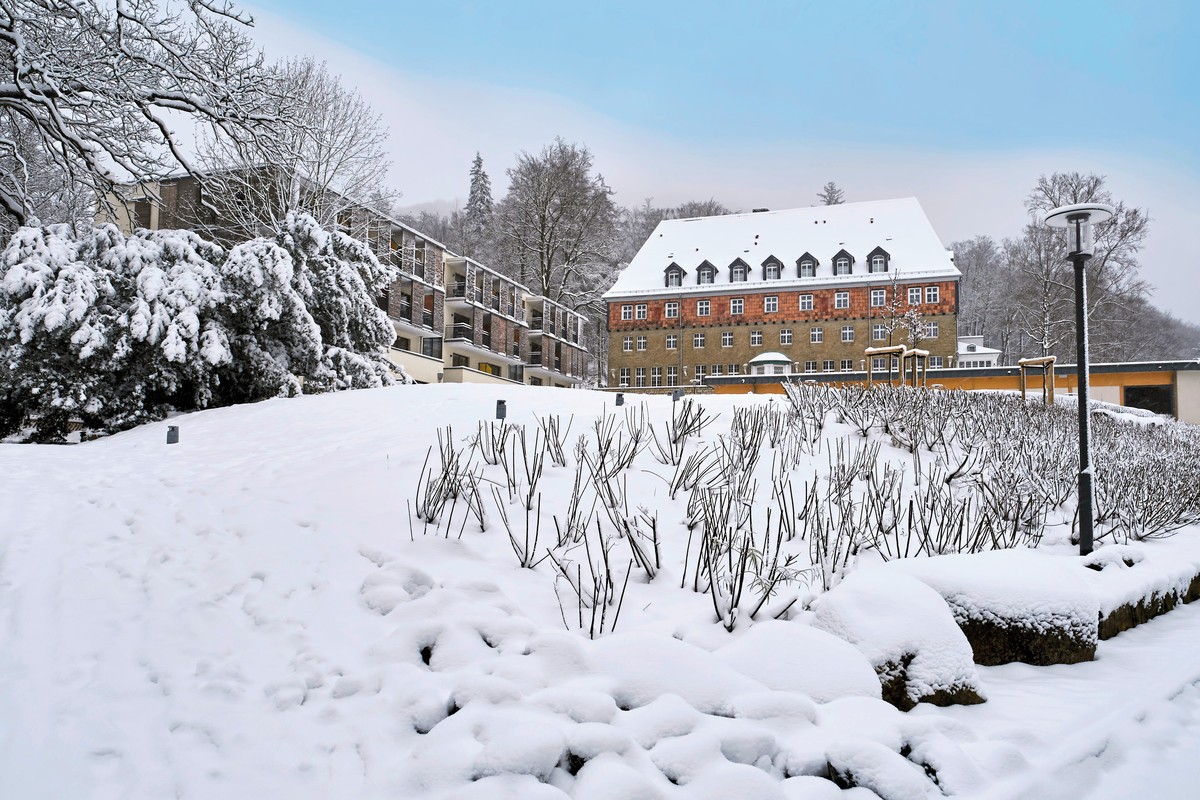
[(326, 154), (558, 226), (831, 195), (95, 91)]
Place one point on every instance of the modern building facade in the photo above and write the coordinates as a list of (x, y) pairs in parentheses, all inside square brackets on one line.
[(456, 320), (704, 297)]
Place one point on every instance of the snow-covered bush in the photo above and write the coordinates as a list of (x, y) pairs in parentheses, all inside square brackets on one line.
[(116, 330)]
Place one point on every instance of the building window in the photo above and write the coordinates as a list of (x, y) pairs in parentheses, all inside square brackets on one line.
[(698, 340), (627, 344), (878, 298), (827, 366), (806, 302), (672, 341), (624, 376), (931, 294), (785, 336), (935, 362), (705, 275), (755, 338), (816, 335), (734, 369), (674, 278), (931, 330), (810, 366), (738, 273), (727, 339), (878, 264), (656, 376), (626, 312), (671, 310), (641, 342), (772, 271), (914, 295), (702, 307), (736, 306), (847, 333), (841, 299), (879, 332), (808, 269), (841, 266), (770, 304), (716, 370), (878, 363), (701, 373), (639, 377), (672, 376), (641, 311), (847, 365)]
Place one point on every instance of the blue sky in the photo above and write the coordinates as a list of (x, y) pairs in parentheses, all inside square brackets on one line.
[(960, 104)]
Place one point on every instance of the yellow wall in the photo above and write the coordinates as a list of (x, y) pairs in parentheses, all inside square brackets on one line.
[(420, 367)]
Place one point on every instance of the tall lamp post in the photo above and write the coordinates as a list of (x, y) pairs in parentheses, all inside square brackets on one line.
[(1078, 221)]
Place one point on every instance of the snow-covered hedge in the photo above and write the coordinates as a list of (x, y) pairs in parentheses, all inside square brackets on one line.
[(118, 330)]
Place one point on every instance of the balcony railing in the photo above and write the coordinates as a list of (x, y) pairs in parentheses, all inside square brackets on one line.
[(514, 349), (535, 358), (460, 330), (535, 322), (427, 318), (405, 308)]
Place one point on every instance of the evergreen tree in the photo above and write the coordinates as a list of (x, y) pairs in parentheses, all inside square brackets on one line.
[(477, 218), (831, 195)]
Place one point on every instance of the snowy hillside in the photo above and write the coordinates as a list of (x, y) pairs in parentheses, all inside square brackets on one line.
[(286, 604)]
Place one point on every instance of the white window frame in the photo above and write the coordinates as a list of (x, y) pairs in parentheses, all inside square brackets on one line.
[(914, 295), (726, 338), (706, 276), (627, 312), (847, 365), (772, 271), (697, 341), (878, 298), (880, 262), (738, 273), (756, 338), (932, 294), (810, 366), (642, 344), (671, 310), (674, 278), (672, 375), (847, 333), (703, 308), (879, 332), (935, 362), (623, 380), (785, 336), (771, 304), (627, 344), (640, 311), (828, 365), (816, 335), (656, 377), (809, 267), (841, 299), (931, 330), (842, 267), (806, 302), (672, 341), (737, 306), (639, 377)]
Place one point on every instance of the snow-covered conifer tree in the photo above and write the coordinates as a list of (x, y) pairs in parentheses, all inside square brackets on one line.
[(339, 278)]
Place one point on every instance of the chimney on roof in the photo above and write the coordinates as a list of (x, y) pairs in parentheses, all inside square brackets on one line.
[(760, 210)]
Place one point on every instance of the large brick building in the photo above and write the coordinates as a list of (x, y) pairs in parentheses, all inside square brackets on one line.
[(819, 285)]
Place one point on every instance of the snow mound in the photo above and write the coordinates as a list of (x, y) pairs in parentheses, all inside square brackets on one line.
[(790, 657), (906, 631), (872, 766)]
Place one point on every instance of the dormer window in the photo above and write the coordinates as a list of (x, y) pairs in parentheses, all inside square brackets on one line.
[(807, 265), (673, 275), (877, 260), (739, 271), (772, 269), (970, 348), (706, 273), (843, 263)]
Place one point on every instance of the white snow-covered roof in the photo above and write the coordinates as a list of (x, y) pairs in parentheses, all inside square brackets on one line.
[(900, 227), (965, 342)]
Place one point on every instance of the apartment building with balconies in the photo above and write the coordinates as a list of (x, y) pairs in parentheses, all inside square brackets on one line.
[(704, 297)]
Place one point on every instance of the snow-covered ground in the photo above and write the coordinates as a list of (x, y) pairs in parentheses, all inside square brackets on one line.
[(255, 611)]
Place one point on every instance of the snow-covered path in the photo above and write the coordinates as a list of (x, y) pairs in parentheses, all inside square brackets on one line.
[(1124, 725)]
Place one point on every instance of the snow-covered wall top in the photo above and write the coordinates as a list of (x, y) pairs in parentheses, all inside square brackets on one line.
[(899, 227)]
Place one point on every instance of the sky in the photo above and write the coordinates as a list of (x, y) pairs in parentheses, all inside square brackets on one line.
[(962, 105)]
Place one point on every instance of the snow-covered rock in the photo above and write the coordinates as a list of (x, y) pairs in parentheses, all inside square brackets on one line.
[(906, 631)]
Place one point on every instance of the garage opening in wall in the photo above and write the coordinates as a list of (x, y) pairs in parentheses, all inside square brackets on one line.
[(1159, 399)]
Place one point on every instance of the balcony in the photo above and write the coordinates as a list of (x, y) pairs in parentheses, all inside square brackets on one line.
[(460, 330), (427, 318)]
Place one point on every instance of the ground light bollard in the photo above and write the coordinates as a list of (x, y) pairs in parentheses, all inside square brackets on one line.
[(620, 398), (501, 410), (172, 434), (1078, 220)]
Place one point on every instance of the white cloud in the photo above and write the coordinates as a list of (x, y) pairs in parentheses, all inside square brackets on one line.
[(437, 125)]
